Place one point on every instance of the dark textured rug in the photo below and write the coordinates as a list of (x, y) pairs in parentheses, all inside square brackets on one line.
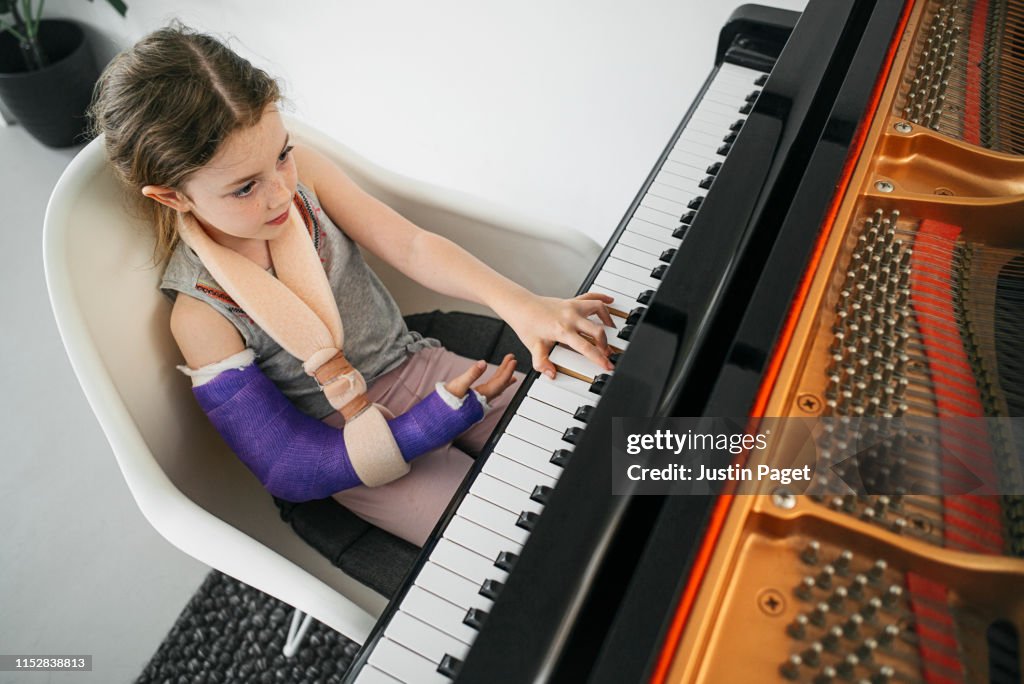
[(230, 632)]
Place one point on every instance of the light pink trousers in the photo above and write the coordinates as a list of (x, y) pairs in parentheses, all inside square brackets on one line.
[(410, 506)]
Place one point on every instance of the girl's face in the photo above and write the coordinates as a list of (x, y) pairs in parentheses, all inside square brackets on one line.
[(246, 190)]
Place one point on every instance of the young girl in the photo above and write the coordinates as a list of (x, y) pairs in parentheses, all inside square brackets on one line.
[(297, 352)]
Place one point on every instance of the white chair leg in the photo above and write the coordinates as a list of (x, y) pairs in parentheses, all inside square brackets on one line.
[(296, 632)]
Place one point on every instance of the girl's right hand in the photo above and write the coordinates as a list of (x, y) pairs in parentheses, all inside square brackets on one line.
[(499, 382)]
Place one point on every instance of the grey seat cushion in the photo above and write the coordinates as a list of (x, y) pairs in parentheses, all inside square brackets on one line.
[(374, 557)]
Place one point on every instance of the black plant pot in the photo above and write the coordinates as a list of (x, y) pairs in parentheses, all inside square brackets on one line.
[(50, 102)]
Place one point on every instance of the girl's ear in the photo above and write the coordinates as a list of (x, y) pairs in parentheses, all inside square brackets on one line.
[(167, 196)]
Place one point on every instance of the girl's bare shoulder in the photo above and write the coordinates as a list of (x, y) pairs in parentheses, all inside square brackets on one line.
[(203, 335)]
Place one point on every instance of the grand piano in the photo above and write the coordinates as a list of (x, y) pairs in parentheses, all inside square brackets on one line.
[(835, 230)]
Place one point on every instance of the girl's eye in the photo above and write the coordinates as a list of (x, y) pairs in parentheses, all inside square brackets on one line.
[(285, 153), (244, 190)]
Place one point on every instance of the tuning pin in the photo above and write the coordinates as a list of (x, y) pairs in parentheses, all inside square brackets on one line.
[(838, 598), (805, 589), (856, 588), (870, 610), (791, 668), (798, 627), (884, 675), (852, 626), (812, 656), (831, 639), (876, 571), (892, 596), (826, 676), (867, 649), (842, 562), (888, 635), (824, 580), (847, 666), (819, 614), (810, 553)]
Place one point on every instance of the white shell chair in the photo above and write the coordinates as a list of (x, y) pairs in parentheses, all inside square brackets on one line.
[(189, 486)]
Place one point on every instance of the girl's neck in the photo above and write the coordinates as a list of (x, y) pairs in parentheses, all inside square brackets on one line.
[(254, 249)]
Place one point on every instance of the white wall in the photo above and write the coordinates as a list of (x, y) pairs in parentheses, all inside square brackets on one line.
[(557, 107)]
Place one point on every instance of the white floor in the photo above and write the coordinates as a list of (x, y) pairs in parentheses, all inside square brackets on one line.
[(81, 571)]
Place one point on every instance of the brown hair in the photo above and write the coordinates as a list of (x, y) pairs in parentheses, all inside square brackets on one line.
[(165, 105)]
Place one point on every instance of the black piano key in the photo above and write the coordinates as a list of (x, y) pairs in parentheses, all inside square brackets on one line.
[(583, 413), (625, 332), (696, 202), (745, 109), (645, 297), (729, 138), (658, 272), (725, 149), (666, 256), (540, 494), (475, 618), (635, 314), (560, 457), (491, 588), (527, 519), (571, 435), (449, 666), (736, 125), (761, 80), (687, 218), (613, 358), (597, 387), (706, 182), (680, 232), (505, 561), (752, 95)]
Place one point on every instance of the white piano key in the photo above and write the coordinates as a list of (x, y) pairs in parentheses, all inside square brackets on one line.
[(637, 274), (699, 137), (668, 206), (371, 675), (473, 536), (564, 391), (542, 436), (658, 218), (697, 151), (548, 415), (677, 176), (451, 587), (646, 244), (466, 562), (530, 455), (504, 495), (425, 639), (623, 302), (403, 664), (620, 284), (639, 226), (515, 473), (670, 192), (494, 518), (571, 360), (637, 257), (716, 127), (446, 616)]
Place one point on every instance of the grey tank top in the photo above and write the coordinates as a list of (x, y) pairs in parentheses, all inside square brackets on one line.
[(376, 337)]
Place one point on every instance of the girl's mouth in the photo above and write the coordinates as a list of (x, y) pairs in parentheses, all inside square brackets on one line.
[(280, 219)]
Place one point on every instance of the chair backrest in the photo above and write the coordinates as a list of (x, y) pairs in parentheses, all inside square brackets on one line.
[(114, 324)]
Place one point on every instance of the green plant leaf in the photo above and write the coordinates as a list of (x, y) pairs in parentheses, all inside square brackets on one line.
[(118, 6)]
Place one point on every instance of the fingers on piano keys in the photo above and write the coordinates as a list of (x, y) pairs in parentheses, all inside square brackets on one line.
[(448, 601)]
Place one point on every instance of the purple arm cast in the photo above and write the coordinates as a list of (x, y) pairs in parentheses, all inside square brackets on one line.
[(299, 458)]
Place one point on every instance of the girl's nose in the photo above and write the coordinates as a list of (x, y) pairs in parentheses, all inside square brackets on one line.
[(280, 194)]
